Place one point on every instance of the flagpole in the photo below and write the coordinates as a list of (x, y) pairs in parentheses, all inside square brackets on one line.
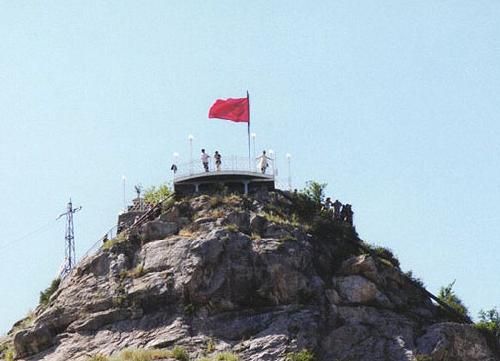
[(248, 100)]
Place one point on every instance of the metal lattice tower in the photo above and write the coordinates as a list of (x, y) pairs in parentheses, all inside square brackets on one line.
[(69, 252)]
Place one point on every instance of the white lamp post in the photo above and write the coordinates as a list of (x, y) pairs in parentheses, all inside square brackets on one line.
[(253, 135), (271, 155), (190, 138), (124, 180), (289, 157)]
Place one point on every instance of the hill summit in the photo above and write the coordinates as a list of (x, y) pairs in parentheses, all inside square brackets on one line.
[(230, 277)]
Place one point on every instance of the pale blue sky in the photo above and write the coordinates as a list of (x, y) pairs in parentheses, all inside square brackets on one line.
[(393, 103)]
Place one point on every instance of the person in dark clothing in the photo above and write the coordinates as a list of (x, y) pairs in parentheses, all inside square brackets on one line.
[(336, 210), (343, 213), (218, 160), (349, 215)]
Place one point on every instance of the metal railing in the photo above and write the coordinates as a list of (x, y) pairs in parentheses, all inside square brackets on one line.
[(113, 232), (228, 163), (110, 234)]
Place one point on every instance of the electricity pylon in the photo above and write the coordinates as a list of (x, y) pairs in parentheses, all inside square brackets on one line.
[(69, 249)]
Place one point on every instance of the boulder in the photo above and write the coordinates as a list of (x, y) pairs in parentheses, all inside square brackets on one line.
[(358, 290), (452, 341), (240, 219), (171, 215), (257, 224), (156, 230)]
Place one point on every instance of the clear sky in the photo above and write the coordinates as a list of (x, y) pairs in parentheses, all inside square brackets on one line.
[(393, 103)]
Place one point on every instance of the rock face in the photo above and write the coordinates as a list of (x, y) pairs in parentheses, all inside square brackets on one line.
[(240, 274)]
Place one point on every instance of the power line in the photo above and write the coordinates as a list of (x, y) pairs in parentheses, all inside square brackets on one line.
[(29, 234)]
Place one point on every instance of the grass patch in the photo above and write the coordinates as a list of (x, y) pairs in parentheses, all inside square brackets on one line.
[(223, 356), (255, 236), (233, 228), (216, 213), (288, 238), (190, 230), (210, 346), (304, 355), (384, 253), (186, 232), (7, 352), (278, 218), (137, 272), (177, 353), (121, 237), (215, 201)]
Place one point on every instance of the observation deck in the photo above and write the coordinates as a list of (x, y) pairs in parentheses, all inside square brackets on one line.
[(236, 174)]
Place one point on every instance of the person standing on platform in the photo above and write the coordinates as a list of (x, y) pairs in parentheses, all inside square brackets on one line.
[(218, 160), (204, 159), (263, 162)]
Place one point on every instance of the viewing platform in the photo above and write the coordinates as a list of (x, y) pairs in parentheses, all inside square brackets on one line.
[(236, 174)]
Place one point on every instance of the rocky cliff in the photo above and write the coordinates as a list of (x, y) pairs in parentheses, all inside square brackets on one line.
[(262, 277)]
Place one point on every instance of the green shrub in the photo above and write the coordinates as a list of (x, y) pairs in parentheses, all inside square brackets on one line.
[(304, 208), (210, 346), (137, 272), (180, 354), (49, 291), (226, 356), (120, 237), (278, 218), (386, 253), (7, 353), (304, 355), (448, 296), (414, 279), (315, 192), (489, 321), (155, 195), (141, 355), (215, 201)]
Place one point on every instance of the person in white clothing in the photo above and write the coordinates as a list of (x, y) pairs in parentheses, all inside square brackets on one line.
[(204, 159), (262, 162)]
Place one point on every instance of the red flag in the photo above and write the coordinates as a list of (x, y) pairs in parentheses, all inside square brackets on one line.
[(236, 110)]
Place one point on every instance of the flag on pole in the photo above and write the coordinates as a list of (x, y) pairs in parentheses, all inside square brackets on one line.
[(234, 109)]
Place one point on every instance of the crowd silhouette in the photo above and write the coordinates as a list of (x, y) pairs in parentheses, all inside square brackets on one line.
[(338, 211)]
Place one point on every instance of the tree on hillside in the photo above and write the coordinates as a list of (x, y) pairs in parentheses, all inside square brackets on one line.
[(315, 191), (489, 320), (448, 296), (155, 195)]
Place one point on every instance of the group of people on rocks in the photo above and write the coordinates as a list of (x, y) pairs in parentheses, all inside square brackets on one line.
[(340, 212)]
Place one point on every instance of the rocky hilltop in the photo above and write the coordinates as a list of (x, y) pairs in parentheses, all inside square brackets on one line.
[(262, 277)]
